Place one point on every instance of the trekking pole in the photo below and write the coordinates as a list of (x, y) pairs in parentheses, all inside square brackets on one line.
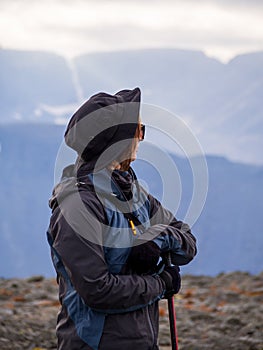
[(171, 311)]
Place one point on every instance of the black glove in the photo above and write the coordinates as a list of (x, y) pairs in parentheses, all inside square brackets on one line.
[(172, 279), (144, 257)]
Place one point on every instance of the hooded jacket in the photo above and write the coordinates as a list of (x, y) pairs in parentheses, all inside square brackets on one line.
[(105, 305)]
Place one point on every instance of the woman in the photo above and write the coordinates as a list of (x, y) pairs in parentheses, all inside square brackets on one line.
[(108, 236)]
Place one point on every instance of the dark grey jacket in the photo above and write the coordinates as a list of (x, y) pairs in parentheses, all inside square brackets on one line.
[(105, 305)]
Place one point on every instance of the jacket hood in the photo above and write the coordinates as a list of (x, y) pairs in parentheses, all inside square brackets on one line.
[(64, 188), (116, 184), (103, 127)]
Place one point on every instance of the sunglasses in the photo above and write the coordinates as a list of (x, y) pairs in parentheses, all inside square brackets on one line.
[(142, 132)]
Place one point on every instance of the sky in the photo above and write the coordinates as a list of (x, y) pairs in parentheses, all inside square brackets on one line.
[(220, 28)]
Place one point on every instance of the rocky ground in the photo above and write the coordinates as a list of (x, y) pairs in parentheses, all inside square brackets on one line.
[(225, 312)]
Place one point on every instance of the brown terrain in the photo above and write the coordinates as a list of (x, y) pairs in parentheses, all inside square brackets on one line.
[(223, 312)]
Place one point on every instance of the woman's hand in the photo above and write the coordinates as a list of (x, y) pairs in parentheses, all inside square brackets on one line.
[(144, 257), (172, 279)]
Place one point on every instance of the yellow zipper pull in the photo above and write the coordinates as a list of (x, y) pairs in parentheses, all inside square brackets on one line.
[(132, 227)]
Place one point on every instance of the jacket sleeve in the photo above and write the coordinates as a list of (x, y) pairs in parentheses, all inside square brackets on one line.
[(170, 234), (76, 239)]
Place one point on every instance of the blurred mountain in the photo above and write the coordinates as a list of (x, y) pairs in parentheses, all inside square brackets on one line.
[(32, 84), (229, 231), (221, 103), (27, 166)]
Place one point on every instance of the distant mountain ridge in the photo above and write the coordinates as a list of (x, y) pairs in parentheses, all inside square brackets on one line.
[(31, 79), (221, 103), (229, 231)]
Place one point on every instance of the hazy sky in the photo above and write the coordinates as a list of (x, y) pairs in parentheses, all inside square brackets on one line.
[(220, 28)]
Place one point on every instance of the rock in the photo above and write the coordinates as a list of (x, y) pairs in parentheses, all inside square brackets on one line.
[(37, 278), (224, 312)]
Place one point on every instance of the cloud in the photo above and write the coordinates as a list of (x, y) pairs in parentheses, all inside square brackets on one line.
[(221, 28)]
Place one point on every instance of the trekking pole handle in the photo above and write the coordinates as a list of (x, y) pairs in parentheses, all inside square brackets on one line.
[(171, 311)]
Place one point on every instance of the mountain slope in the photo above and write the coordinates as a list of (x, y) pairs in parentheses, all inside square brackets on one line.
[(229, 230), (31, 80), (221, 103)]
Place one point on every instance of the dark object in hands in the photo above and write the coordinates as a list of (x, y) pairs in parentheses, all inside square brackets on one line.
[(144, 258), (172, 279)]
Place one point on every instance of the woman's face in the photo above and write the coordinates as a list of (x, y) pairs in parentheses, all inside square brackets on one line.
[(131, 154), (138, 137), (135, 149)]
